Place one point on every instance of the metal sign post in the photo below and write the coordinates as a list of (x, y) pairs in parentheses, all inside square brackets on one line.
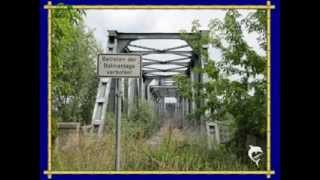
[(119, 66), (118, 123)]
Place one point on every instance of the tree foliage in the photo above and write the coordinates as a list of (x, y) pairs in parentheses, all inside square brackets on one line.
[(244, 97), (74, 51)]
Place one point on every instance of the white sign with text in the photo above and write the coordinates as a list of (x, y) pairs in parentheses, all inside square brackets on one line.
[(119, 65)]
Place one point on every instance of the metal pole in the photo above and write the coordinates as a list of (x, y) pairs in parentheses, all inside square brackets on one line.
[(118, 123)]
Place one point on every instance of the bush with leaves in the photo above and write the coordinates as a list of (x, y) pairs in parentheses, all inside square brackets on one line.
[(74, 52), (142, 121), (245, 98)]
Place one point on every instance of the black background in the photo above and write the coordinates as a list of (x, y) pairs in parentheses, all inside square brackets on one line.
[(299, 89), (19, 90)]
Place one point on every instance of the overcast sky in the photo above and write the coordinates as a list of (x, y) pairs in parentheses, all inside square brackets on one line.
[(153, 21), (156, 21)]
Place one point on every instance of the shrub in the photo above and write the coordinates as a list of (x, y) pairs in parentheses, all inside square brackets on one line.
[(142, 121)]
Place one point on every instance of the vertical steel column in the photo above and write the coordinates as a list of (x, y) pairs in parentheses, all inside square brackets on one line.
[(140, 91), (203, 78), (182, 112), (193, 102), (131, 94)]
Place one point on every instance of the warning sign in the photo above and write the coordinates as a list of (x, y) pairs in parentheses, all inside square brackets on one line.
[(119, 65)]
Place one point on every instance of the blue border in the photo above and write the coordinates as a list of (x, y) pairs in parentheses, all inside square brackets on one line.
[(43, 89), (275, 88)]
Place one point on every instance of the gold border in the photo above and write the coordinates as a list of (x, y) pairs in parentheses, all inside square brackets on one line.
[(49, 92), (161, 172), (150, 7), (268, 88), (268, 7)]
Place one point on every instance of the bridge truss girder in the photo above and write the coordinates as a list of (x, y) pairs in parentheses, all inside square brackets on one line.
[(135, 89)]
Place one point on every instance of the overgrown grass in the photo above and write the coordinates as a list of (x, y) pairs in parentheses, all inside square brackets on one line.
[(142, 148), (170, 154)]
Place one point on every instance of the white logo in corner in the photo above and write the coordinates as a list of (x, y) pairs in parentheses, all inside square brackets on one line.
[(254, 154)]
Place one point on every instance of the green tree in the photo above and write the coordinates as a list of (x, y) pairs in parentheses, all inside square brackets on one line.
[(245, 98), (74, 52)]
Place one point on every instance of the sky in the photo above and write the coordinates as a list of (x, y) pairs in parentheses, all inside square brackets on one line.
[(153, 21), (99, 21)]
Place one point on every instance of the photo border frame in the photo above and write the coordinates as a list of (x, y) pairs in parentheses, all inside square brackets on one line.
[(268, 7)]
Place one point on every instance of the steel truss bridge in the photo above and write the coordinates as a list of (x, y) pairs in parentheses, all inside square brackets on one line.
[(157, 80)]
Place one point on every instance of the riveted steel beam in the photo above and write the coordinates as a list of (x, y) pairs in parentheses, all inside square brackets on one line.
[(161, 52), (182, 64), (135, 36)]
